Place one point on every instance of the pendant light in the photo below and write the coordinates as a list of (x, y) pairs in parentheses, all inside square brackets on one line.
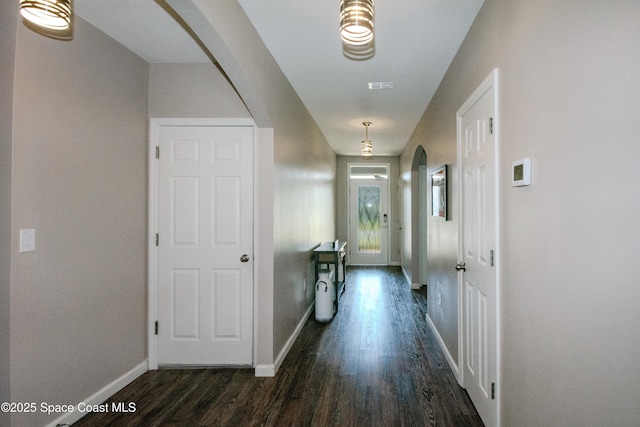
[(366, 146), (52, 17), (356, 21)]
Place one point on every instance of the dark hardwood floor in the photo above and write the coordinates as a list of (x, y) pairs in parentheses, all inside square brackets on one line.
[(376, 364)]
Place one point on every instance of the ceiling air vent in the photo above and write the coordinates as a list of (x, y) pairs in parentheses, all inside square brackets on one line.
[(380, 85)]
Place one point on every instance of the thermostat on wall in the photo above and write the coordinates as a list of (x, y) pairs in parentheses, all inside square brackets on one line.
[(521, 173)]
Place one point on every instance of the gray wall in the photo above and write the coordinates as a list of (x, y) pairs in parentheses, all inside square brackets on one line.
[(192, 90), (8, 28), (569, 101), (79, 173)]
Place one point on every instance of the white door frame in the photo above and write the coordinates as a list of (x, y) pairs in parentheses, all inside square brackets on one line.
[(423, 223), (349, 209), (152, 274), (491, 81)]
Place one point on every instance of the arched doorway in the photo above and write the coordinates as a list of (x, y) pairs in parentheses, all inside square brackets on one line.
[(419, 209)]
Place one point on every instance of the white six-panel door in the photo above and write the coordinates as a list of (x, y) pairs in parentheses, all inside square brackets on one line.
[(205, 245), (479, 250)]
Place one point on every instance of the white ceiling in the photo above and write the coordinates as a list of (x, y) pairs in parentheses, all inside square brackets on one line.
[(415, 41)]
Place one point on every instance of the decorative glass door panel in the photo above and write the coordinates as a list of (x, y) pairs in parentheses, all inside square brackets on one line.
[(369, 219)]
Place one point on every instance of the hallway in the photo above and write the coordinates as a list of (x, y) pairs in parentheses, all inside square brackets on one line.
[(376, 364)]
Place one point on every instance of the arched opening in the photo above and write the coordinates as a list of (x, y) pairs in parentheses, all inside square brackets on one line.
[(419, 209)]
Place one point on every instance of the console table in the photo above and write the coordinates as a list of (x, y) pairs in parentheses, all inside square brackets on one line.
[(334, 254)]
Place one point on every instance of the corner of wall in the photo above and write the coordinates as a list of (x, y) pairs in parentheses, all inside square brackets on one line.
[(264, 251), (9, 23)]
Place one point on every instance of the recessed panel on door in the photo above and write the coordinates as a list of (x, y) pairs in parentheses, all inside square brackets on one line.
[(185, 152), (470, 318), (481, 220), (185, 211), (483, 344), (469, 210), (185, 293), (226, 211), (225, 152), (227, 304), (468, 141)]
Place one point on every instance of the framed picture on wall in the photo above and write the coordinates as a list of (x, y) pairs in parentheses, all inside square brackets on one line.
[(439, 193)]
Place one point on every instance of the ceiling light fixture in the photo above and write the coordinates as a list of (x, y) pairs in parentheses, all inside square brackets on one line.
[(356, 21), (50, 15), (366, 146)]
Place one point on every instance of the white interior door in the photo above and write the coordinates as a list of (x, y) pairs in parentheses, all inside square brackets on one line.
[(205, 245), (368, 214), (479, 250)]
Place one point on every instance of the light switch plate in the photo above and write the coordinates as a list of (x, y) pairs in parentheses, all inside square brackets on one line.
[(27, 240)]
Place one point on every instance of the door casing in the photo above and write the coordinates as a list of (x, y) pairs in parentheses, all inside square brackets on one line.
[(350, 225)]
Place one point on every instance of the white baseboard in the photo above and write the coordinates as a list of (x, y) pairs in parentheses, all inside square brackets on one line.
[(271, 370), (101, 395), (265, 371), (406, 276), (445, 350), (395, 263)]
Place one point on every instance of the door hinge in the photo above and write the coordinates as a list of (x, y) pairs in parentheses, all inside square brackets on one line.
[(493, 385), (491, 258), (157, 239), (156, 328), (490, 125), (157, 152)]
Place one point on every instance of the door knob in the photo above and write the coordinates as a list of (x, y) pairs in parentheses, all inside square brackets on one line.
[(244, 258), (461, 266)]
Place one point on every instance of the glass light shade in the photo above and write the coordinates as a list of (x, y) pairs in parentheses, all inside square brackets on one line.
[(356, 21), (49, 14), (366, 148)]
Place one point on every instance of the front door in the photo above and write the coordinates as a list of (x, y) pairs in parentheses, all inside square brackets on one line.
[(368, 217), (205, 245), (478, 249)]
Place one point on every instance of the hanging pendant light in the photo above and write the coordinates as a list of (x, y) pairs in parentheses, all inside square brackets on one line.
[(366, 146), (50, 15), (356, 21)]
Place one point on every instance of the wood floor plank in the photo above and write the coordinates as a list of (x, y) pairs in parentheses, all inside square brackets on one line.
[(377, 363)]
